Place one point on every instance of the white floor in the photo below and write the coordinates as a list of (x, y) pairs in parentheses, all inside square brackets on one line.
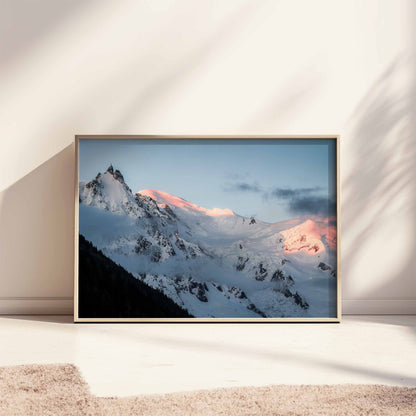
[(131, 359)]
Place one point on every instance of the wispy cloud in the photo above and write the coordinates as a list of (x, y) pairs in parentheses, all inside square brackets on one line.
[(243, 187), (237, 176)]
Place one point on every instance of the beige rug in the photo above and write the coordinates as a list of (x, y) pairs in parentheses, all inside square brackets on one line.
[(60, 390)]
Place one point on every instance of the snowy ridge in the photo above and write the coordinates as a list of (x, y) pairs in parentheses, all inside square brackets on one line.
[(164, 199), (212, 262)]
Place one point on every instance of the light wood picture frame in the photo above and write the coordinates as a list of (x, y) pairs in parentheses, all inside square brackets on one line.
[(201, 228)]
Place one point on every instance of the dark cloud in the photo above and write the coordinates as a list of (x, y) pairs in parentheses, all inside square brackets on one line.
[(244, 187), (305, 201), (312, 205), (290, 193), (299, 201)]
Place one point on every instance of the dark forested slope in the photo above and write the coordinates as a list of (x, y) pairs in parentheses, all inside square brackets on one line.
[(106, 290)]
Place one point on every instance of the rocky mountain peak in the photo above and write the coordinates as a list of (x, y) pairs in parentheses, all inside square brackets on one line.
[(117, 175)]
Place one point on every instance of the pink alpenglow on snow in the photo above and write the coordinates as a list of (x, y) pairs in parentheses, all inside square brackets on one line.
[(305, 237), (165, 198), (328, 229)]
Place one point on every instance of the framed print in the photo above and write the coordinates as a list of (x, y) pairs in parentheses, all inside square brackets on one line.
[(207, 228)]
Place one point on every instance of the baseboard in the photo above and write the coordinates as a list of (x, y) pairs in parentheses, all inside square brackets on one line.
[(36, 306), (379, 307), (64, 306)]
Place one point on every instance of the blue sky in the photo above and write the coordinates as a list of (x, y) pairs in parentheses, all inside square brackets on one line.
[(273, 180)]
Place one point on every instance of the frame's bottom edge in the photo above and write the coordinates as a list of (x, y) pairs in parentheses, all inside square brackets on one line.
[(206, 320), (65, 306)]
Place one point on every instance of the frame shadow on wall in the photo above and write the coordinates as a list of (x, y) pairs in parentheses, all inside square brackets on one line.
[(36, 239)]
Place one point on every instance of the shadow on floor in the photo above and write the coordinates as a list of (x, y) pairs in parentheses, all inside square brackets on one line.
[(56, 319)]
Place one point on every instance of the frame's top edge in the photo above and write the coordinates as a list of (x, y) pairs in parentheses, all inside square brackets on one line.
[(206, 136)]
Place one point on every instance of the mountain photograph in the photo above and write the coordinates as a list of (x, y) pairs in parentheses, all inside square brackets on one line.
[(207, 229)]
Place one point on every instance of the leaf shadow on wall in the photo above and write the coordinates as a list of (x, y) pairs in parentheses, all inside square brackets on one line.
[(379, 189), (37, 231)]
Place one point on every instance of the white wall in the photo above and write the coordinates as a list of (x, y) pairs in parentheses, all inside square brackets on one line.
[(209, 67)]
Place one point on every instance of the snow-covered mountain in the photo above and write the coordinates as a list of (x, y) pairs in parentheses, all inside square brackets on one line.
[(212, 262)]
